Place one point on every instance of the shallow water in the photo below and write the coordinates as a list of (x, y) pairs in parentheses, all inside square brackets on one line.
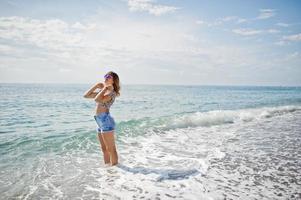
[(182, 142)]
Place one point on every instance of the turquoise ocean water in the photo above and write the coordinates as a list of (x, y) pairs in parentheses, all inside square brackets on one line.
[(173, 142)]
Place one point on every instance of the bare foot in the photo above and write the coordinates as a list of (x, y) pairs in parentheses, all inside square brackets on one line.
[(107, 165)]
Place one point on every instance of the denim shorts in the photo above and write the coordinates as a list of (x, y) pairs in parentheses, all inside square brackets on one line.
[(105, 122)]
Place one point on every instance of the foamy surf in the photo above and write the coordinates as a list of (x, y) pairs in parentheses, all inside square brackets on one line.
[(219, 117), (164, 174), (146, 126), (210, 162)]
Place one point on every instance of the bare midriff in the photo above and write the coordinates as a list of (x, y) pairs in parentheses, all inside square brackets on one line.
[(100, 109)]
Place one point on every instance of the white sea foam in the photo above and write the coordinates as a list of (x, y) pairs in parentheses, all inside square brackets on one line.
[(219, 117), (203, 162)]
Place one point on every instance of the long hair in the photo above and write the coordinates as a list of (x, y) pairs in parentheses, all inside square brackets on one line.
[(116, 83)]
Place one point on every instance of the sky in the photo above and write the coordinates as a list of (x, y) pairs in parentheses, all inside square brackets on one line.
[(173, 42)]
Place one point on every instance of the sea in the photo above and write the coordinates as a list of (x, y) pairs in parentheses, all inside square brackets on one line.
[(173, 142)]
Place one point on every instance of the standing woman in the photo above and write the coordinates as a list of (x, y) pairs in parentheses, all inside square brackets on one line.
[(105, 122)]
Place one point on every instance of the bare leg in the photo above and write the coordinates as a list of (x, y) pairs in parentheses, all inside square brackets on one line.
[(109, 140), (104, 148)]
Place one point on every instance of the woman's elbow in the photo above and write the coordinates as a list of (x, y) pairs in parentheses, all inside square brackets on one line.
[(92, 95), (87, 96)]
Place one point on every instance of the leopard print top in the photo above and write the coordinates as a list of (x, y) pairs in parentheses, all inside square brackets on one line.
[(108, 104)]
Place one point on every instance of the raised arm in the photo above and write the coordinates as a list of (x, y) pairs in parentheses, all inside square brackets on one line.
[(90, 92), (101, 95)]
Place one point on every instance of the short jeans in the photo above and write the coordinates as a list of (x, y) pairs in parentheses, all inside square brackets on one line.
[(105, 122)]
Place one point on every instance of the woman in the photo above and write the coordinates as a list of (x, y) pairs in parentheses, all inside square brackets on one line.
[(106, 123)]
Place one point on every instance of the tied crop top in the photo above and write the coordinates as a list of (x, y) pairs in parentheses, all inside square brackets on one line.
[(108, 104)]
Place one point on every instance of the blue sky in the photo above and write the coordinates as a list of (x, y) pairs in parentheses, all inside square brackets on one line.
[(151, 41)]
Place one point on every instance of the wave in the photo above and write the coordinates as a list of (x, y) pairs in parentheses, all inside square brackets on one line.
[(204, 119), (219, 117)]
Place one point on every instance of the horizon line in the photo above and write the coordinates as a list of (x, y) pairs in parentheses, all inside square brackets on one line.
[(154, 84)]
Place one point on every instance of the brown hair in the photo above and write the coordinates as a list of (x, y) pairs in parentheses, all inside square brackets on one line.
[(116, 83)]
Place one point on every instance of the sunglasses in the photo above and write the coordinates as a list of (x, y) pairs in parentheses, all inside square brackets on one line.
[(108, 76)]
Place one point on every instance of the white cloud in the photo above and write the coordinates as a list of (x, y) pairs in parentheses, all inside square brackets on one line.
[(89, 27), (151, 7), (295, 37), (287, 39), (266, 13), (282, 24), (250, 32), (246, 32), (53, 37), (142, 45), (151, 46), (78, 43), (222, 20), (272, 31), (229, 18), (98, 41), (53, 34)]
